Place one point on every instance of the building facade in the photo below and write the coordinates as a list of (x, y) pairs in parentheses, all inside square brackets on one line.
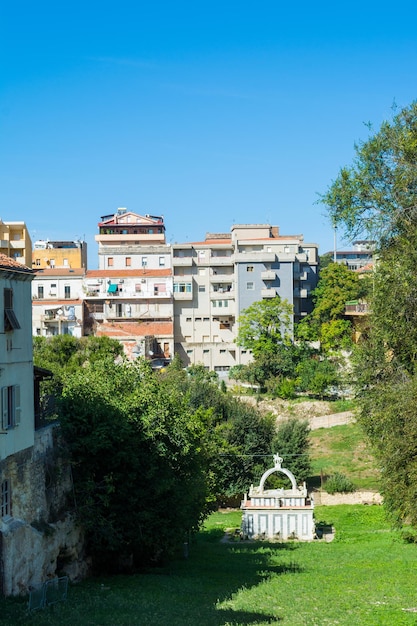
[(129, 297), (57, 302), (15, 242), (216, 279), (59, 254)]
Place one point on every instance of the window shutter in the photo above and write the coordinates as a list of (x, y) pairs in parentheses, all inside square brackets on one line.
[(17, 409), (4, 407)]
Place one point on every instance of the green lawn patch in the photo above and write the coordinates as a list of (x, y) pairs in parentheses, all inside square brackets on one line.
[(365, 576)]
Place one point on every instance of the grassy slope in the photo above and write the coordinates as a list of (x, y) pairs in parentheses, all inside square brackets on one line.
[(365, 576), (343, 449)]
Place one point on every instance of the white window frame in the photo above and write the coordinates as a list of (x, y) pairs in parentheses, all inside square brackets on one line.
[(10, 406)]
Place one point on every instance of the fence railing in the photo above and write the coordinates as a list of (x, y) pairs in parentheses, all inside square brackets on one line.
[(50, 592)]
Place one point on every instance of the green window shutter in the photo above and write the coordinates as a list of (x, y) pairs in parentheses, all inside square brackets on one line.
[(4, 407), (16, 402)]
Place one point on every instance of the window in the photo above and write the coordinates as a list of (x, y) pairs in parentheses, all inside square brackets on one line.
[(189, 351), (182, 287), (67, 292), (188, 319), (66, 263), (37, 262), (138, 287), (250, 286), (10, 319), (201, 271), (159, 288), (144, 261), (6, 500), (222, 351), (52, 288), (40, 292), (206, 319), (249, 268), (161, 261), (128, 261), (206, 351), (10, 406), (110, 261), (201, 288), (198, 319)]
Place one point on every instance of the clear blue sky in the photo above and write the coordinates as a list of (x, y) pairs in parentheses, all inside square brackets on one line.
[(208, 113)]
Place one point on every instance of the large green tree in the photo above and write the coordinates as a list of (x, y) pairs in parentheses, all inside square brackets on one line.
[(327, 322), (264, 326), (140, 464), (376, 196)]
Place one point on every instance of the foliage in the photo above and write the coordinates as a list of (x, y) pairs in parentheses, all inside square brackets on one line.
[(376, 196), (264, 326), (292, 443), (327, 323), (317, 376), (139, 463), (339, 483)]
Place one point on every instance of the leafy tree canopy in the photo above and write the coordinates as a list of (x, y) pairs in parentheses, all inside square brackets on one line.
[(376, 197), (264, 326)]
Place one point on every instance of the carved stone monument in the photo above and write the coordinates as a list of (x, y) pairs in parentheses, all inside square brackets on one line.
[(278, 514)]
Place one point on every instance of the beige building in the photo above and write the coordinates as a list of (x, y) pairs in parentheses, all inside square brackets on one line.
[(59, 255), (216, 279), (15, 242)]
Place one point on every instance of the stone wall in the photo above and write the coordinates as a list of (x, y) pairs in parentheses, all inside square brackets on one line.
[(41, 539)]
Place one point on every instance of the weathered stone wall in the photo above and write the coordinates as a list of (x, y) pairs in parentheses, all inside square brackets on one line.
[(41, 540)]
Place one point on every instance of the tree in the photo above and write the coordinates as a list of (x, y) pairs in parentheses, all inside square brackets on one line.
[(264, 326), (327, 323), (376, 197), (140, 466), (292, 443)]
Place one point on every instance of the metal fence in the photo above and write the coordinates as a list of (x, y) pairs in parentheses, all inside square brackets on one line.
[(50, 592)]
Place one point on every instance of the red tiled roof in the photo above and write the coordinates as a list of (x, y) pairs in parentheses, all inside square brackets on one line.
[(134, 329), (58, 303), (7, 263), (63, 271)]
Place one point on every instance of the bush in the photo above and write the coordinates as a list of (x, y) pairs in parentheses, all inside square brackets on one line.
[(339, 483)]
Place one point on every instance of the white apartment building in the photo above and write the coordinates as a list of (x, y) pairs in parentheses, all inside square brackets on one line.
[(129, 297), (216, 279)]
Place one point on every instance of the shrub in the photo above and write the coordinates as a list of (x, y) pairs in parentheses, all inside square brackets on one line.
[(339, 483)]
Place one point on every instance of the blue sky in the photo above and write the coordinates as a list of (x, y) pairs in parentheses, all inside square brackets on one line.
[(208, 113)]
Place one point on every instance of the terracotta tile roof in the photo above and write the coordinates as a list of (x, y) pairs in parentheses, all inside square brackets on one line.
[(137, 273), (133, 329), (58, 303), (7, 263), (63, 271)]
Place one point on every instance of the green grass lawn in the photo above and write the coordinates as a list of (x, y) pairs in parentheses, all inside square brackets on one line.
[(343, 449), (366, 576)]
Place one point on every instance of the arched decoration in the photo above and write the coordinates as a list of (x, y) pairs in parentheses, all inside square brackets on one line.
[(277, 468)]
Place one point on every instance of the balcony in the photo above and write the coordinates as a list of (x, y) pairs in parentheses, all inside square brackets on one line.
[(357, 308), (182, 261), (221, 260), (268, 275), (268, 293), (222, 294), (260, 256)]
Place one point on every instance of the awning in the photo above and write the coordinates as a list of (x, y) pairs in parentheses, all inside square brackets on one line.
[(112, 288)]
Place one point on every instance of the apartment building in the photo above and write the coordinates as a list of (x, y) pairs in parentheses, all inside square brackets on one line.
[(15, 242), (129, 297), (59, 254), (57, 302), (216, 279)]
